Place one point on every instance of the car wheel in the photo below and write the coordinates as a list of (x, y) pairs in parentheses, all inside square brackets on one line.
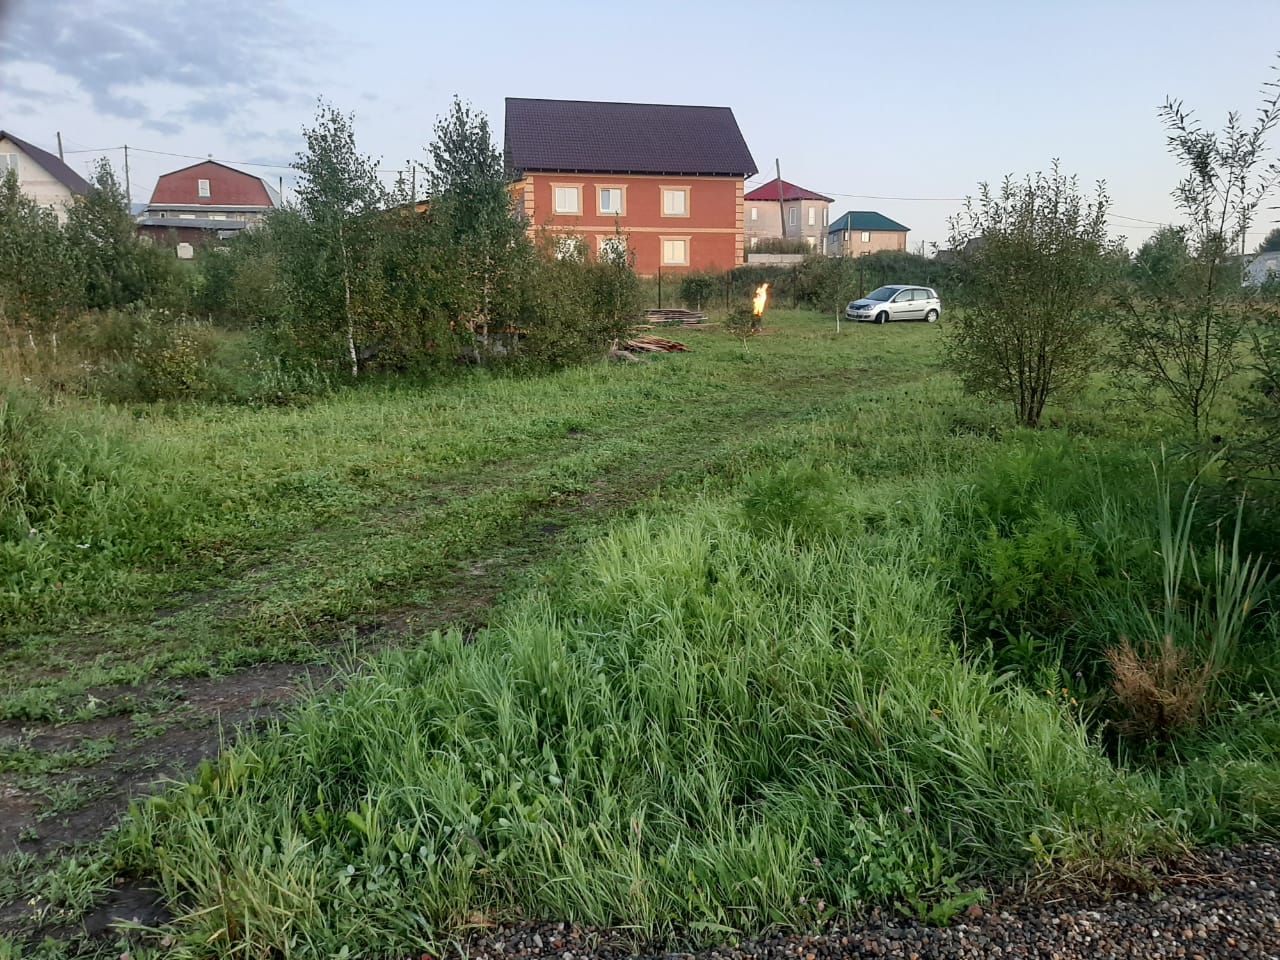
[(931, 316), (881, 317)]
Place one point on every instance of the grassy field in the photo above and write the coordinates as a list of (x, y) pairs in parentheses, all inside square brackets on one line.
[(732, 639)]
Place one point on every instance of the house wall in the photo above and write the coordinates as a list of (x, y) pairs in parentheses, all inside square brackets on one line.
[(37, 183), (845, 243), (713, 226), (768, 221)]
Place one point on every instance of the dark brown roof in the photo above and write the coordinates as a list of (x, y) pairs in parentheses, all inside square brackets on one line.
[(51, 164), (582, 136)]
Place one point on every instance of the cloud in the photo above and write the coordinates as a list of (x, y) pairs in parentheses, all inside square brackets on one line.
[(218, 57)]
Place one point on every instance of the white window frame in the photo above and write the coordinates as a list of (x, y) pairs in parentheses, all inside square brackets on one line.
[(866, 236), (622, 199), (755, 213), (555, 199), (825, 215), (813, 216), (663, 252), (203, 190), (11, 162), (793, 217), (685, 203)]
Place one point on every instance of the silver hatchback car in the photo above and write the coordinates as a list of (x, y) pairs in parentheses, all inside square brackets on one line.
[(896, 302)]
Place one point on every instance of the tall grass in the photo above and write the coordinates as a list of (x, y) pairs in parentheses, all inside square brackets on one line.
[(68, 485), (698, 726)]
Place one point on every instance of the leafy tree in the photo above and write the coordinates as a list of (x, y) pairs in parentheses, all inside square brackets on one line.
[(1271, 242), (1162, 261), (1035, 253), (119, 267), (1179, 337), (330, 244), (473, 224), (39, 272)]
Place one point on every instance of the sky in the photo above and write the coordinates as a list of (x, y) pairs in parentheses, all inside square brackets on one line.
[(899, 108)]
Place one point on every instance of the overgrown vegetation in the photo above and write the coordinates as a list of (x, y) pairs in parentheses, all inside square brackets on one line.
[(349, 281), (1180, 333)]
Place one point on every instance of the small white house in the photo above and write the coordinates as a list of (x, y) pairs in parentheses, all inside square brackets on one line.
[(1261, 267), (41, 175)]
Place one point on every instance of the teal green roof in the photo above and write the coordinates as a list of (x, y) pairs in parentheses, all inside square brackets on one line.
[(867, 220)]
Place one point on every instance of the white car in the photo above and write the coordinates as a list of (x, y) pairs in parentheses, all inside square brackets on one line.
[(896, 302)]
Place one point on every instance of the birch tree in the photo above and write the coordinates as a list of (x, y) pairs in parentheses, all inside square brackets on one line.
[(332, 239)]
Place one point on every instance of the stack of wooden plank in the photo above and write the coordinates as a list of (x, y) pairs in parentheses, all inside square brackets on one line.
[(651, 344), (674, 315)]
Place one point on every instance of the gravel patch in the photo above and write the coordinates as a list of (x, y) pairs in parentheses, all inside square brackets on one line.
[(1220, 905)]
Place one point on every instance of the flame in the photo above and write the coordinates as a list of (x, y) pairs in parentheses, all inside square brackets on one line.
[(759, 300)]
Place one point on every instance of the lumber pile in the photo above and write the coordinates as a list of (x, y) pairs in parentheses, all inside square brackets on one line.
[(674, 316), (652, 344)]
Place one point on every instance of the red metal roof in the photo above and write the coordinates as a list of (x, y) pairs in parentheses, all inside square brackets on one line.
[(789, 191), (228, 187)]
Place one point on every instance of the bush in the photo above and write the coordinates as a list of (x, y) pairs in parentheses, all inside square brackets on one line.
[(697, 290), (779, 245), (1035, 255)]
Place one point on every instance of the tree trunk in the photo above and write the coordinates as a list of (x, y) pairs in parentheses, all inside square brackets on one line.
[(346, 290)]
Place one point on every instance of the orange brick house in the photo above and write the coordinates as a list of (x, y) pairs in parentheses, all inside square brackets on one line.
[(665, 180)]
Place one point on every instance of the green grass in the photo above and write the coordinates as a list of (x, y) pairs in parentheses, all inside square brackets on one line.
[(222, 536), (778, 632)]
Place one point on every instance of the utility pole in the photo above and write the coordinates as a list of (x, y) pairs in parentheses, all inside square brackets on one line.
[(128, 187), (782, 204), (60, 145)]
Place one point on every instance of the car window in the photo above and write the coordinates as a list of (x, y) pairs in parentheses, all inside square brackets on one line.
[(904, 296), (881, 294), (918, 294)]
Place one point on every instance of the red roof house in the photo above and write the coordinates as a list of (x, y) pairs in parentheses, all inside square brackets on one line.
[(779, 210), (207, 200)]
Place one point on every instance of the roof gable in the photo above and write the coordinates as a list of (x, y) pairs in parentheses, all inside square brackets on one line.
[(56, 168), (788, 191), (867, 220), (583, 136), (228, 187)]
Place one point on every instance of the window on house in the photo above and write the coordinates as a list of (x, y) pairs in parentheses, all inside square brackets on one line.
[(202, 188), (568, 248), (866, 236), (813, 216), (675, 201), (568, 200), (612, 247), (611, 201), (8, 161), (755, 213), (825, 213), (793, 216), (675, 252)]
